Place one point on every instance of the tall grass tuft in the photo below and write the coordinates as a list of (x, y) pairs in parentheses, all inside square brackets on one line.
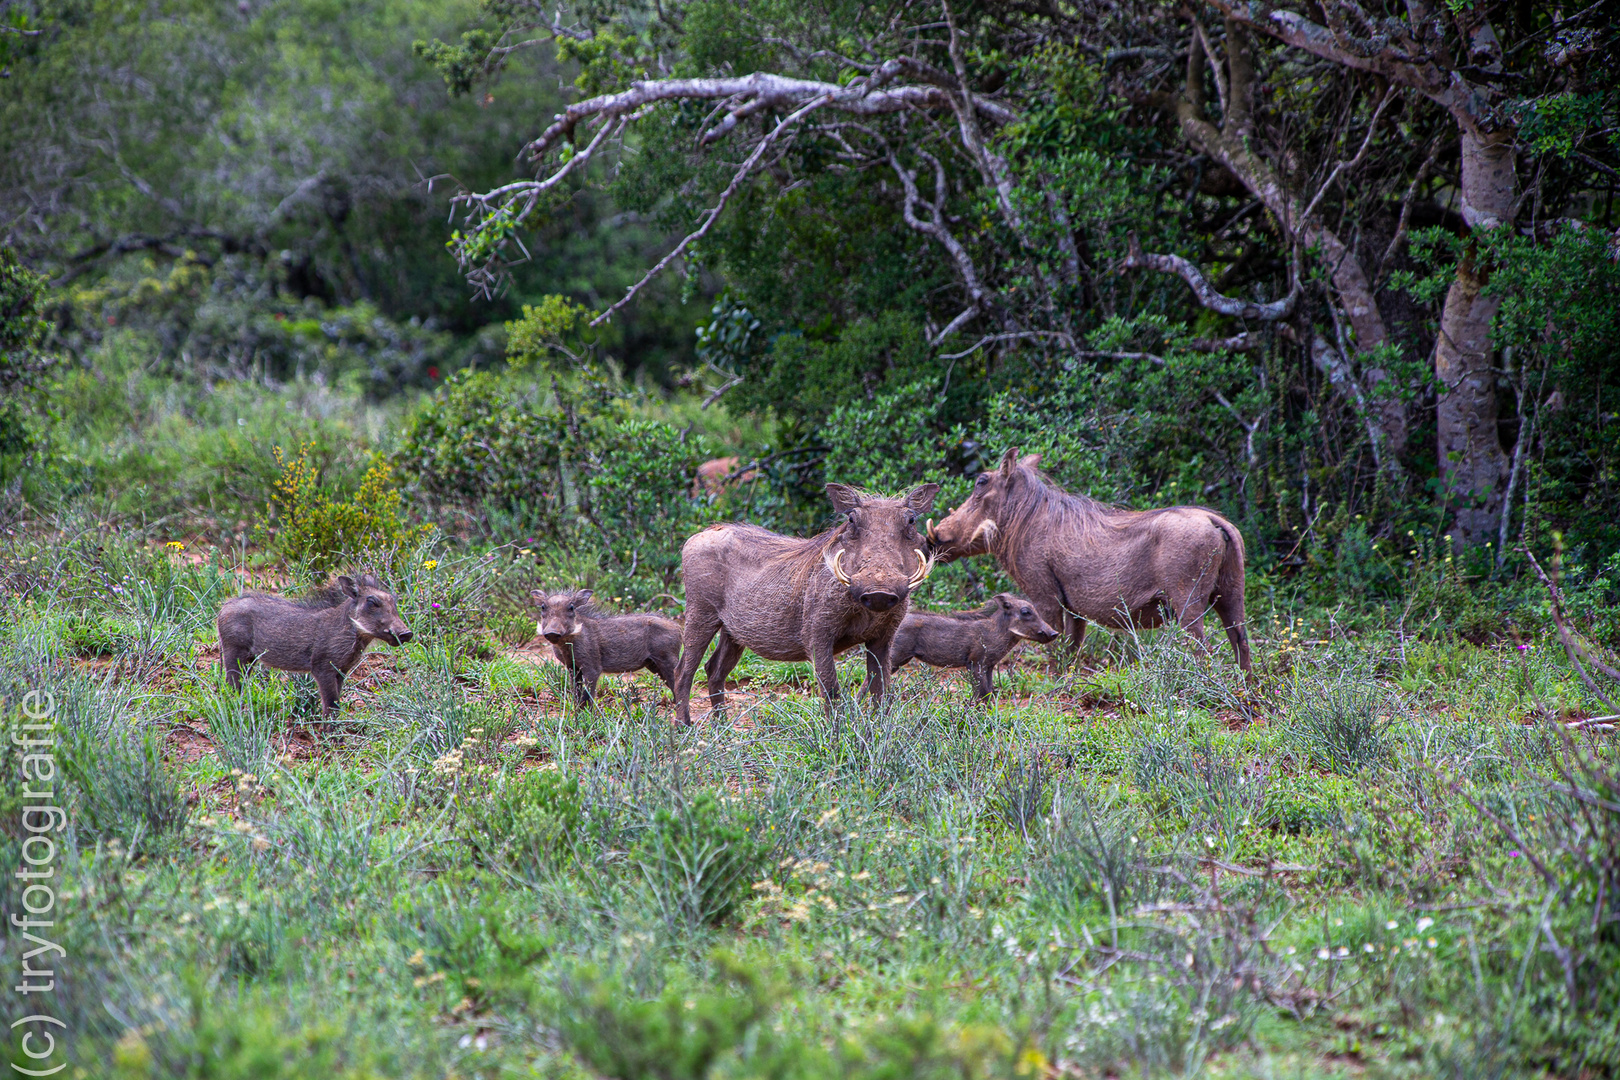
[(1340, 721)]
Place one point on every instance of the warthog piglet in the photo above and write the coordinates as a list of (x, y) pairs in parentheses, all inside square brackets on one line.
[(588, 643), (324, 633), (976, 640)]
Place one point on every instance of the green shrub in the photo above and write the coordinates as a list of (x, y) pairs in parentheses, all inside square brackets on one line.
[(1339, 722), (483, 949), (318, 530), (124, 788), (1306, 803), (530, 823), (93, 634), (679, 1035), (698, 857), (483, 440), (584, 478)]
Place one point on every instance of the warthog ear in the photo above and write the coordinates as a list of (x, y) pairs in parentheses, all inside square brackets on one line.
[(1006, 600), (1008, 460), (1032, 460), (537, 595), (348, 586), (844, 498), (921, 499), (584, 594)]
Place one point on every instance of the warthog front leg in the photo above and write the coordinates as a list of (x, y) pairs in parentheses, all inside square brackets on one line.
[(330, 681), (877, 669), (825, 663), (982, 675)]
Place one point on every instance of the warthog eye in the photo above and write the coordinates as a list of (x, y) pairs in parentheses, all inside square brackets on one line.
[(371, 601), (984, 478), (1028, 614)]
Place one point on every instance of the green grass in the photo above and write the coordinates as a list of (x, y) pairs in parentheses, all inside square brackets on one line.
[(1134, 864)]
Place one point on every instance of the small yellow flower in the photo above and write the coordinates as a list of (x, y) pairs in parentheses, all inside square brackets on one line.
[(430, 564), (176, 545)]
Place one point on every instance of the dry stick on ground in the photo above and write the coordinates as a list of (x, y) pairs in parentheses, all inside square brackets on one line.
[(1572, 645)]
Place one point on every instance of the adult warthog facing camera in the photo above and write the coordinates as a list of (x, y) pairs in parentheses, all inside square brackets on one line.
[(324, 633), (1079, 559), (788, 598)]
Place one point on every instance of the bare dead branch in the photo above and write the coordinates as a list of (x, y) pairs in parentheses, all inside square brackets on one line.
[(1332, 361), (1406, 208), (713, 213), (866, 96), (1019, 335), (1205, 292), (934, 226), (1341, 167), (1244, 342)]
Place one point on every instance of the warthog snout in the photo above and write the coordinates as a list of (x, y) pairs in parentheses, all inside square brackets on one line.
[(880, 598), (554, 637), (403, 636), (877, 600), (1047, 636)]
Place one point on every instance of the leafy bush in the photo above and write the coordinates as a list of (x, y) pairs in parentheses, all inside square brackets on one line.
[(236, 319), (679, 1035), (1093, 861), (1306, 803), (531, 823), (92, 634), (484, 439), (124, 787), (605, 493), (698, 857), (318, 530)]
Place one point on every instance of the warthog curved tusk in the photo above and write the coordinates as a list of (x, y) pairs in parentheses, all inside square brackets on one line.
[(929, 532), (924, 568), (837, 569)]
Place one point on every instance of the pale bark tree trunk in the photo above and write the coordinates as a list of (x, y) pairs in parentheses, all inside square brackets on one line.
[(1473, 463)]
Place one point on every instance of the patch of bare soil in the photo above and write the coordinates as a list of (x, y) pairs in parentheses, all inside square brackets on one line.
[(187, 744)]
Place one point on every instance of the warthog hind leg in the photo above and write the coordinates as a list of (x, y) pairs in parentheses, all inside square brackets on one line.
[(235, 663), (1230, 611), (726, 654), (701, 626)]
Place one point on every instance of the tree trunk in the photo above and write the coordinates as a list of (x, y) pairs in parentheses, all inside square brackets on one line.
[(1231, 145), (1472, 462)]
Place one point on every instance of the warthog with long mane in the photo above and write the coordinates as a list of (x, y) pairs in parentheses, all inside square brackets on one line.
[(788, 598), (1080, 559)]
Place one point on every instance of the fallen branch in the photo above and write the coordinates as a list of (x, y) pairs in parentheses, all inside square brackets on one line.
[(1572, 646)]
